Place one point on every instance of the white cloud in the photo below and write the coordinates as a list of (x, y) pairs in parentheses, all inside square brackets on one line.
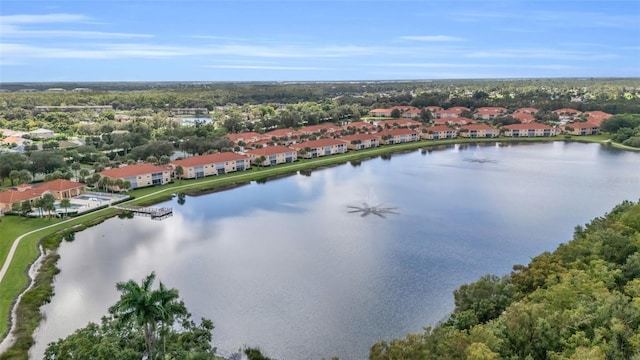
[(43, 19), (431, 38), (472, 66), (266, 67), (9, 31), (134, 50), (539, 54)]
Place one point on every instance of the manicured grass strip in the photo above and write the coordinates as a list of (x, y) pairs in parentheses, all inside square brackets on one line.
[(15, 280)]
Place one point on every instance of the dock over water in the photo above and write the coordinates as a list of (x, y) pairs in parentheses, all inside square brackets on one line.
[(153, 212)]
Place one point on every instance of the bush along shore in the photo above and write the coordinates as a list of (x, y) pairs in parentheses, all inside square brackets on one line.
[(154, 195)]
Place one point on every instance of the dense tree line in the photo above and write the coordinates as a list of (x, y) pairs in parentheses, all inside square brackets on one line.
[(580, 302), (625, 129)]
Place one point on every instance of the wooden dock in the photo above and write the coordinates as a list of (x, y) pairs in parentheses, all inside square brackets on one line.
[(153, 212)]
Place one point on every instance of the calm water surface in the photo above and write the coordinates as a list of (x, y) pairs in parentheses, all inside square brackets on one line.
[(282, 265)]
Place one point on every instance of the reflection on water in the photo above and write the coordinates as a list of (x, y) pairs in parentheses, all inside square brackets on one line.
[(284, 266)]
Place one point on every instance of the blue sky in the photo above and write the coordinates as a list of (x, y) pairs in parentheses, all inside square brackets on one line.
[(144, 40)]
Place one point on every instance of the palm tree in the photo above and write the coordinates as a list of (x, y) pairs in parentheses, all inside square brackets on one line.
[(147, 308), (83, 174), (179, 172), (172, 308), (65, 204), (48, 202), (75, 167), (138, 303), (39, 204)]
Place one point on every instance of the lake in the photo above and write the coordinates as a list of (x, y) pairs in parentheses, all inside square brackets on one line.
[(284, 266)]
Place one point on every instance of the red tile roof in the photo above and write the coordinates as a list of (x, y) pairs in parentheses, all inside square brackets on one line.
[(399, 122), (459, 108), (433, 108), (12, 196), (582, 125), (491, 110), (269, 150), (529, 126), (523, 117), (132, 170), (439, 128), (209, 159), (317, 143), (317, 128), (28, 192), (244, 136), (281, 133), (597, 117), (478, 127), (359, 125), (404, 108), (361, 137), (398, 131), (566, 111), (527, 110), (60, 185), (458, 120)]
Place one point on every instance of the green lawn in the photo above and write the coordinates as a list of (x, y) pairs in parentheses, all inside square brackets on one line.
[(11, 227)]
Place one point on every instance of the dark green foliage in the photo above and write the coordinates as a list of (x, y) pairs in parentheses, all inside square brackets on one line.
[(144, 323), (625, 129), (255, 354), (580, 302), (481, 301)]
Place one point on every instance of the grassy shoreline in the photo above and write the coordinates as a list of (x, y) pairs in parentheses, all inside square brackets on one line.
[(16, 278)]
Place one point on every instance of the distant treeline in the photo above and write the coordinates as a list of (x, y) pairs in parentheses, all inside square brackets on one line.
[(610, 95)]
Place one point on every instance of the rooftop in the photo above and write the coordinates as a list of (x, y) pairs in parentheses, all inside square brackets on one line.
[(133, 170)]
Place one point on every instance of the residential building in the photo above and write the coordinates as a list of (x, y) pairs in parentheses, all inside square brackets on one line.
[(566, 114), (96, 108), (596, 117), (398, 123), (282, 133), (42, 133), (523, 117), (60, 189), (582, 128), (212, 164), (380, 113), (533, 129), (453, 112), (439, 132), (433, 109), (529, 110), (478, 131), (320, 147), (488, 113), (361, 141), (190, 111), (457, 121), (140, 175), (398, 136), (273, 155), (359, 126), (247, 137), (321, 128)]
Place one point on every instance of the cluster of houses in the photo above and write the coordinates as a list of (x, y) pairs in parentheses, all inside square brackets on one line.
[(288, 145), (59, 188), (572, 121), (283, 146)]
